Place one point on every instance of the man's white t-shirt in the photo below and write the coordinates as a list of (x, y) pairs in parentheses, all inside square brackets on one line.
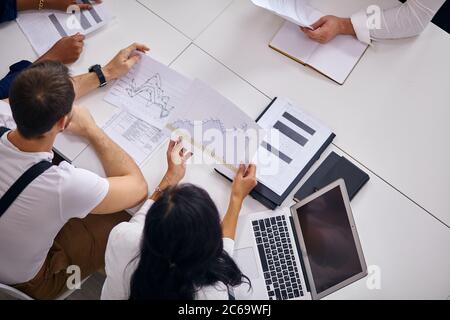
[(29, 226)]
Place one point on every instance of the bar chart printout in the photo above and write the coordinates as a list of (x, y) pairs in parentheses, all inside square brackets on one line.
[(295, 139), (44, 28)]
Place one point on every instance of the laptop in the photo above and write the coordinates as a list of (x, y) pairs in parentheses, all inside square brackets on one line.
[(305, 252)]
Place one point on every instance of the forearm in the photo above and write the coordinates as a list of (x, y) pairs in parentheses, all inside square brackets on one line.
[(346, 27), (85, 83), (88, 82), (405, 20), (116, 162), (166, 182), (23, 5), (229, 222)]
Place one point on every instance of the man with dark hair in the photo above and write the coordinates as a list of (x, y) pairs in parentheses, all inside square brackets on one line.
[(45, 221), (67, 50), (41, 96)]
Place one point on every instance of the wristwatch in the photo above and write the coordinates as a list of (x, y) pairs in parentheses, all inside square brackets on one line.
[(98, 71)]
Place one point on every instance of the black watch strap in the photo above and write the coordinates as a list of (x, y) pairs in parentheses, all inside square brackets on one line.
[(98, 71)]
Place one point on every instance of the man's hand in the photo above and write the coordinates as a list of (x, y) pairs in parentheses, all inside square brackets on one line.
[(81, 122), (63, 5), (244, 182), (328, 27), (67, 50), (122, 63)]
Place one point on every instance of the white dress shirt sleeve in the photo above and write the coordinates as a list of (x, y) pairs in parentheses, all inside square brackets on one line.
[(403, 21)]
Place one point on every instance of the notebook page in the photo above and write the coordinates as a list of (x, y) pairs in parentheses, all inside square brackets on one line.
[(291, 41), (337, 58)]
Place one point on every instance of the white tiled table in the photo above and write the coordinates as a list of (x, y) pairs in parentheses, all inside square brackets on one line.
[(391, 114), (225, 45), (397, 236)]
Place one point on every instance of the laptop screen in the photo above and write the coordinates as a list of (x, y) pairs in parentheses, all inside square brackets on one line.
[(329, 241)]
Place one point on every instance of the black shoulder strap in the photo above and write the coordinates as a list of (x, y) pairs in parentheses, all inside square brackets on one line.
[(16, 189), (3, 130)]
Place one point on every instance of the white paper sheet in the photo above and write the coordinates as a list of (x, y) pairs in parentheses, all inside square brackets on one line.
[(151, 91), (138, 138), (216, 126), (297, 138), (44, 28), (295, 11)]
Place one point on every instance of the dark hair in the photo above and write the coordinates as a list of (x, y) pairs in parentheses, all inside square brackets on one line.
[(40, 96), (182, 248)]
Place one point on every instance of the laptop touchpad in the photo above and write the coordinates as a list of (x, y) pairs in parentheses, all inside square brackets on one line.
[(246, 260)]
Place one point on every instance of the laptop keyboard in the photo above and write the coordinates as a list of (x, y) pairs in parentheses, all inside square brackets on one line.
[(277, 258)]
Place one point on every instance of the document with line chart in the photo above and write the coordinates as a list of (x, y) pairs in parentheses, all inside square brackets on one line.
[(151, 91), (215, 126), (146, 96), (44, 28)]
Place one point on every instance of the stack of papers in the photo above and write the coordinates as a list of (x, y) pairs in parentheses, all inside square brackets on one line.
[(295, 11)]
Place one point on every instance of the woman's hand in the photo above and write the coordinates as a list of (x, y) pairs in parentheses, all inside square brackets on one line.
[(177, 156), (243, 183)]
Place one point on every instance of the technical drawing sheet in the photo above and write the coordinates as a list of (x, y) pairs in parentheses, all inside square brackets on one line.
[(151, 91)]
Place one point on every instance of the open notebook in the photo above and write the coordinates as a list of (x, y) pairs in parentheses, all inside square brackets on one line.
[(335, 59)]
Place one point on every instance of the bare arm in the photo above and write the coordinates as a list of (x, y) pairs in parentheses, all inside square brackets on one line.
[(61, 5), (243, 184), (23, 5), (127, 186), (117, 67)]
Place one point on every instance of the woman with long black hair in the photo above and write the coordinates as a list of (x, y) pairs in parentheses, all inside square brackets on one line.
[(176, 246)]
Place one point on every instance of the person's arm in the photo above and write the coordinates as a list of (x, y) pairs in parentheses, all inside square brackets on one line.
[(403, 21), (8, 10), (66, 50), (117, 67), (243, 184), (62, 5), (127, 186), (406, 20), (177, 157)]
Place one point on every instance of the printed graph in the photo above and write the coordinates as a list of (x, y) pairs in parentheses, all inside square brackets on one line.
[(152, 91)]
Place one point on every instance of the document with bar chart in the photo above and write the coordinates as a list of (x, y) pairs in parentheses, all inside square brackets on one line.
[(292, 143), (294, 139), (44, 28)]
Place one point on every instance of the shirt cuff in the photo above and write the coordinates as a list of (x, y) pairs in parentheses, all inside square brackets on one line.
[(359, 21), (228, 246), (19, 66)]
